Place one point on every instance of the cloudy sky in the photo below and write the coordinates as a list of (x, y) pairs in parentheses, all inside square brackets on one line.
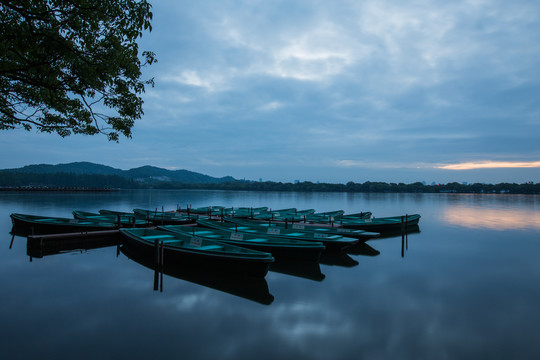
[(334, 91)]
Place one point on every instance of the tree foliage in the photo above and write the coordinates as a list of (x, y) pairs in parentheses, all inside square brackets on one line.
[(72, 66)]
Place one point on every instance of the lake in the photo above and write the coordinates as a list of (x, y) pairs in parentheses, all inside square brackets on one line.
[(467, 286)]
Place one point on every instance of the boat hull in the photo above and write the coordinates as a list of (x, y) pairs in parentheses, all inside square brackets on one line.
[(281, 249), (257, 267), (24, 225), (384, 225)]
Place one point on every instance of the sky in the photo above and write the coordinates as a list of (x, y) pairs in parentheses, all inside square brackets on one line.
[(329, 91)]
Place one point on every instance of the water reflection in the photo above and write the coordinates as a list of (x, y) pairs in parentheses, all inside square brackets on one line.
[(337, 258), (362, 248), (304, 269), (37, 248), (251, 288), (495, 219)]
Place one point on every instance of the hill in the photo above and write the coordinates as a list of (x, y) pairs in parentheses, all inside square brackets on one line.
[(143, 174)]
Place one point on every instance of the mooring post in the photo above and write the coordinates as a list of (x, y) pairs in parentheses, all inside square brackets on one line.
[(402, 238), (162, 255), (286, 223), (406, 232)]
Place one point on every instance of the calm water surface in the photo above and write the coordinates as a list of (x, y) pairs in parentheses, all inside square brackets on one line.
[(467, 286)]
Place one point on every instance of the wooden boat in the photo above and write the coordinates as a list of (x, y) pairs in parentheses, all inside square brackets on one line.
[(24, 225), (164, 218), (331, 242), (200, 252), (334, 213), (122, 220), (244, 212), (205, 210), (360, 215), (383, 224), (307, 227), (335, 216), (278, 247), (114, 212), (291, 214)]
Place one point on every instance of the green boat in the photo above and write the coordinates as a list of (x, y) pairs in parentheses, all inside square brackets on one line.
[(334, 217), (123, 220), (205, 210), (383, 224), (199, 252), (244, 212), (331, 242), (291, 214), (307, 227), (165, 218), (24, 225), (278, 247), (360, 215)]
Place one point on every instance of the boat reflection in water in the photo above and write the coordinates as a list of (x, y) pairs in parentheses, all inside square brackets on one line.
[(251, 288), (362, 249), (36, 247), (306, 269), (337, 258)]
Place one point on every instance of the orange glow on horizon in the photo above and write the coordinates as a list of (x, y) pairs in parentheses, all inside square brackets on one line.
[(491, 165)]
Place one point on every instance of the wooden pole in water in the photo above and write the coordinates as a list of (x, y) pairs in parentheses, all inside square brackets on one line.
[(406, 232), (402, 238)]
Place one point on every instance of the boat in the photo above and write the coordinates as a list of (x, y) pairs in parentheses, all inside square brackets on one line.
[(278, 247), (164, 218), (332, 217), (290, 214), (123, 220), (200, 252), (205, 210), (331, 242), (244, 212), (383, 224), (114, 212), (308, 227), (24, 225)]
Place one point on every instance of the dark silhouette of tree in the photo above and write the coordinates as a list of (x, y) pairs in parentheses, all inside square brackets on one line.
[(70, 66)]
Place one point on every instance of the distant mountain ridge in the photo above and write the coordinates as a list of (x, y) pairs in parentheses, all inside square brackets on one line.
[(143, 174)]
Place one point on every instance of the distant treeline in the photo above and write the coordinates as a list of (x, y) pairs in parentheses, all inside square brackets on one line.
[(65, 180), (80, 181), (367, 187)]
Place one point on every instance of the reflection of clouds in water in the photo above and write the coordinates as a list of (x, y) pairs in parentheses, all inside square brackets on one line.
[(496, 219), (303, 320)]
